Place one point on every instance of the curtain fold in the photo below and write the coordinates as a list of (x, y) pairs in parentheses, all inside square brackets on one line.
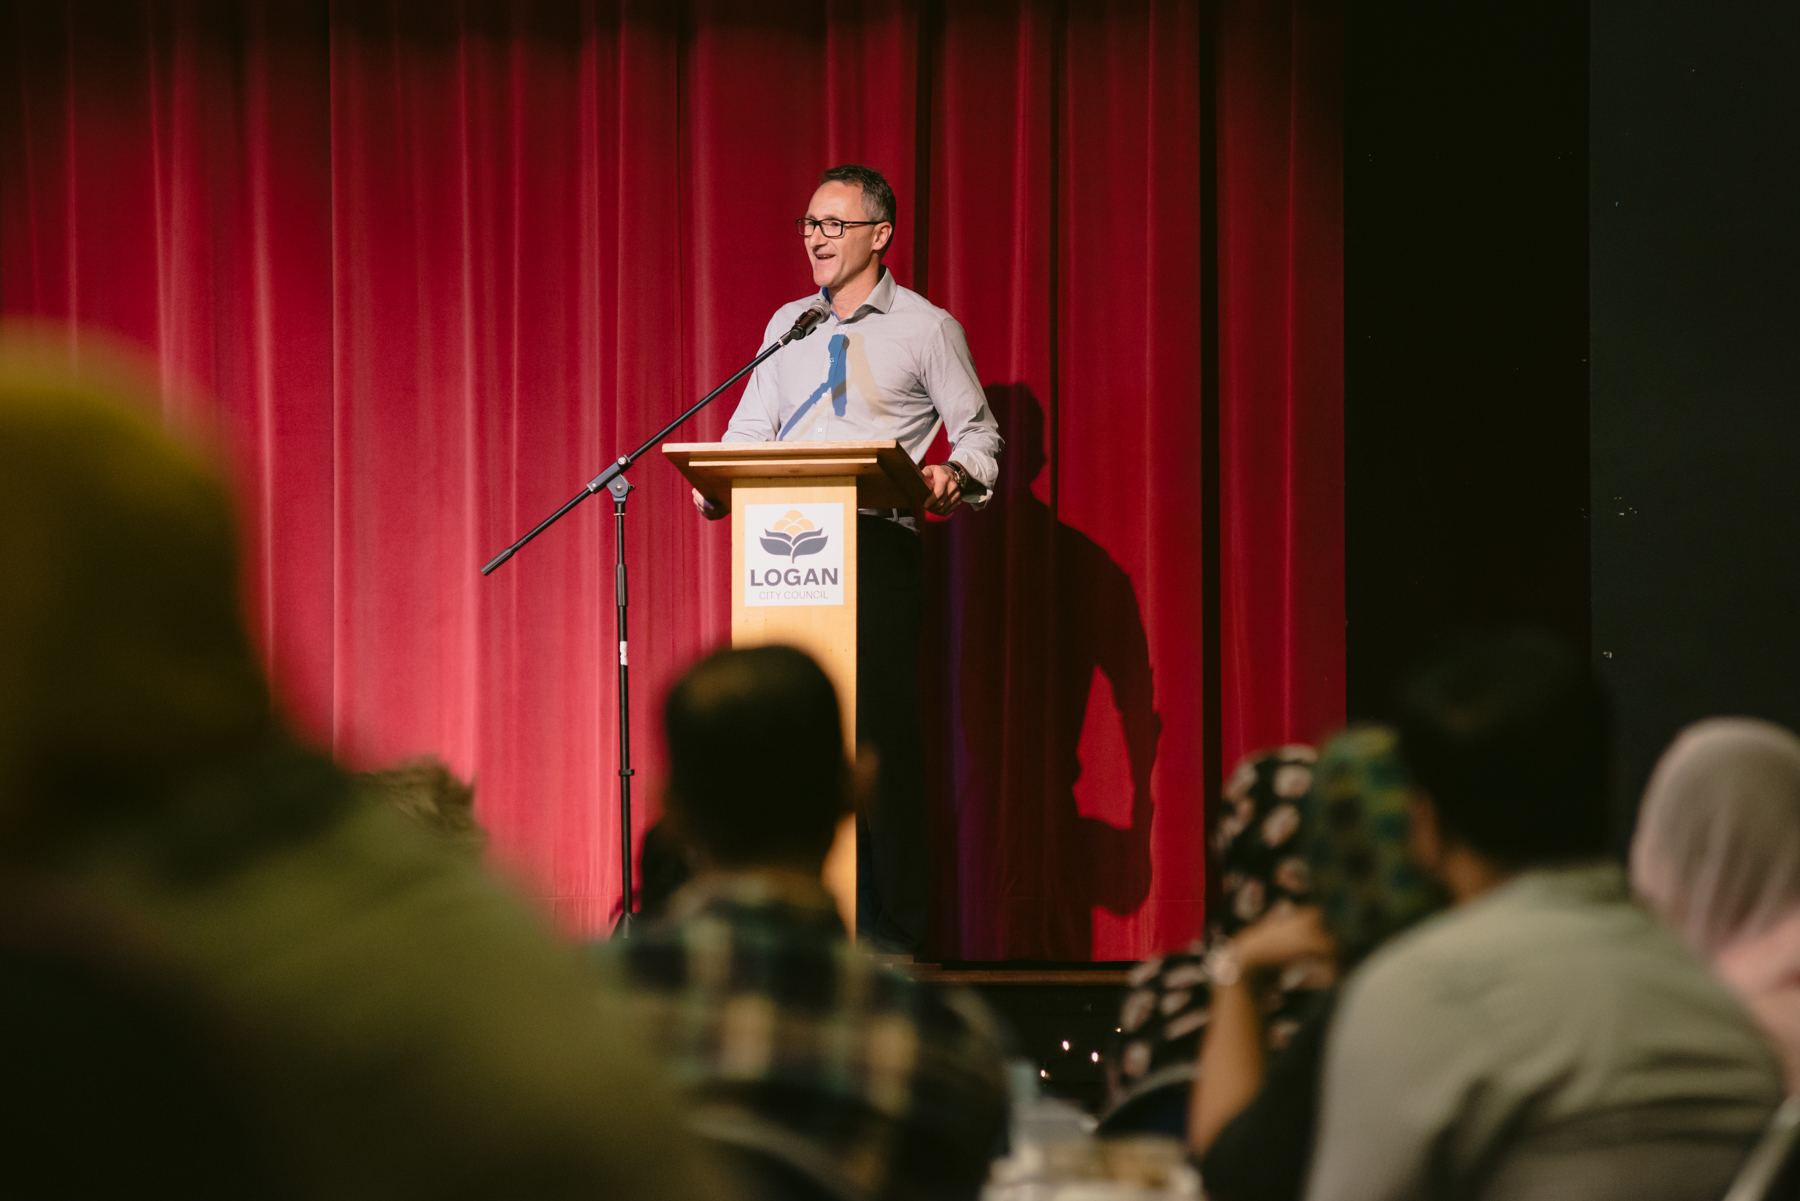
[(423, 269), (1281, 372)]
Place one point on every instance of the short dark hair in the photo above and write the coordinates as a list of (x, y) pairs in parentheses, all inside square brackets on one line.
[(878, 198), (1510, 736), (757, 770)]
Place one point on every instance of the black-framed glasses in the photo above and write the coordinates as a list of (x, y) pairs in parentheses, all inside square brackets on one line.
[(831, 227)]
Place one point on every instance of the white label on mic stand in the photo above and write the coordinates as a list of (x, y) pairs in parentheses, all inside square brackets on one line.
[(794, 554)]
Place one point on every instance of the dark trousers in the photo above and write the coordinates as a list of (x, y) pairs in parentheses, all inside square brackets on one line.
[(893, 875)]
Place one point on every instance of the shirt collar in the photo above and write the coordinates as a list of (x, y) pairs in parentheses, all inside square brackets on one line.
[(881, 299), (1560, 885)]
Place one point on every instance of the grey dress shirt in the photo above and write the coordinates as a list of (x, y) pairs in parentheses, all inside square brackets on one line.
[(1550, 1039), (896, 368)]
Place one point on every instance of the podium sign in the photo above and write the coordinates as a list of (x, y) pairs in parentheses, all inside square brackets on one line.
[(794, 554), (801, 591)]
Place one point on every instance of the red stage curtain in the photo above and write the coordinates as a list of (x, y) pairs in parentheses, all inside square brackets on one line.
[(424, 268)]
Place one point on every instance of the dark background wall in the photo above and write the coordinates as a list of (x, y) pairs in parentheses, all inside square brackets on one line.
[(1466, 411), (1481, 233), (1695, 395)]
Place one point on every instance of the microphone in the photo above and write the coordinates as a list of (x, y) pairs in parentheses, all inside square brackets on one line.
[(817, 311)]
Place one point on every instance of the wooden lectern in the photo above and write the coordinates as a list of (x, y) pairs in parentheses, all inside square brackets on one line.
[(793, 559)]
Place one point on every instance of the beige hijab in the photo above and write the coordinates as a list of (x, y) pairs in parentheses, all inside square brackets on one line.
[(1717, 849), (1717, 853)]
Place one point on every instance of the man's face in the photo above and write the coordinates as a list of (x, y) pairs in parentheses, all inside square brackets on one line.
[(837, 261)]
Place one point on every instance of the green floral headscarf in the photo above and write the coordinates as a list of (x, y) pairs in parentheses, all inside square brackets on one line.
[(1362, 878)]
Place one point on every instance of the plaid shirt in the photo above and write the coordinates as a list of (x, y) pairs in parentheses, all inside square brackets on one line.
[(791, 1041)]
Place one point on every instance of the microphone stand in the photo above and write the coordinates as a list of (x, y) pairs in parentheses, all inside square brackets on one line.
[(614, 481)]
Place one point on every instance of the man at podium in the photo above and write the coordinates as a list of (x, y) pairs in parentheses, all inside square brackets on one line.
[(886, 363)]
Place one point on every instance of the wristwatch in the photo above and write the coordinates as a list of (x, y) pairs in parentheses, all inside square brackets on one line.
[(1223, 965), (963, 479)]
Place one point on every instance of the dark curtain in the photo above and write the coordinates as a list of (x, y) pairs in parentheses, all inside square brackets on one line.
[(421, 269)]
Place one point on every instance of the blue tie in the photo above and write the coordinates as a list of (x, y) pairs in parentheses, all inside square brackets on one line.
[(836, 385)]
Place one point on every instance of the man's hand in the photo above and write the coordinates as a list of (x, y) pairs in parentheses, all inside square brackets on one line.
[(946, 492), (708, 509)]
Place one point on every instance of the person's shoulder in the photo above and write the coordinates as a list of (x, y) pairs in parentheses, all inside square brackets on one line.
[(1537, 917), (914, 305), (954, 1021), (1451, 958), (1574, 920), (720, 935), (1408, 965), (874, 990), (959, 1062), (955, 1013), (1536, 951)]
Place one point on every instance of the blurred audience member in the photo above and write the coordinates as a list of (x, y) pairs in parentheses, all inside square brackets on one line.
[(395, 1026), (1717, 853), (428, 792), (801, 1053), (1253, 1123), (1545, 1038)]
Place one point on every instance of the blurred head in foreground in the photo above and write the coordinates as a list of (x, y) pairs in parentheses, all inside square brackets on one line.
[(757, 771), (1507, 737), (388, 1020), (1717, 853), (124, 662)]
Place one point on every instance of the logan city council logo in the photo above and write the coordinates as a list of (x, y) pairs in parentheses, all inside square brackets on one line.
[(794, 554), (794, 536)]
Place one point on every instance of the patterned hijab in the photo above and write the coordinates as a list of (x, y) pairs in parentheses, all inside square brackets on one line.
[(1258, 850), (1259, 845), (1356, 848)]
